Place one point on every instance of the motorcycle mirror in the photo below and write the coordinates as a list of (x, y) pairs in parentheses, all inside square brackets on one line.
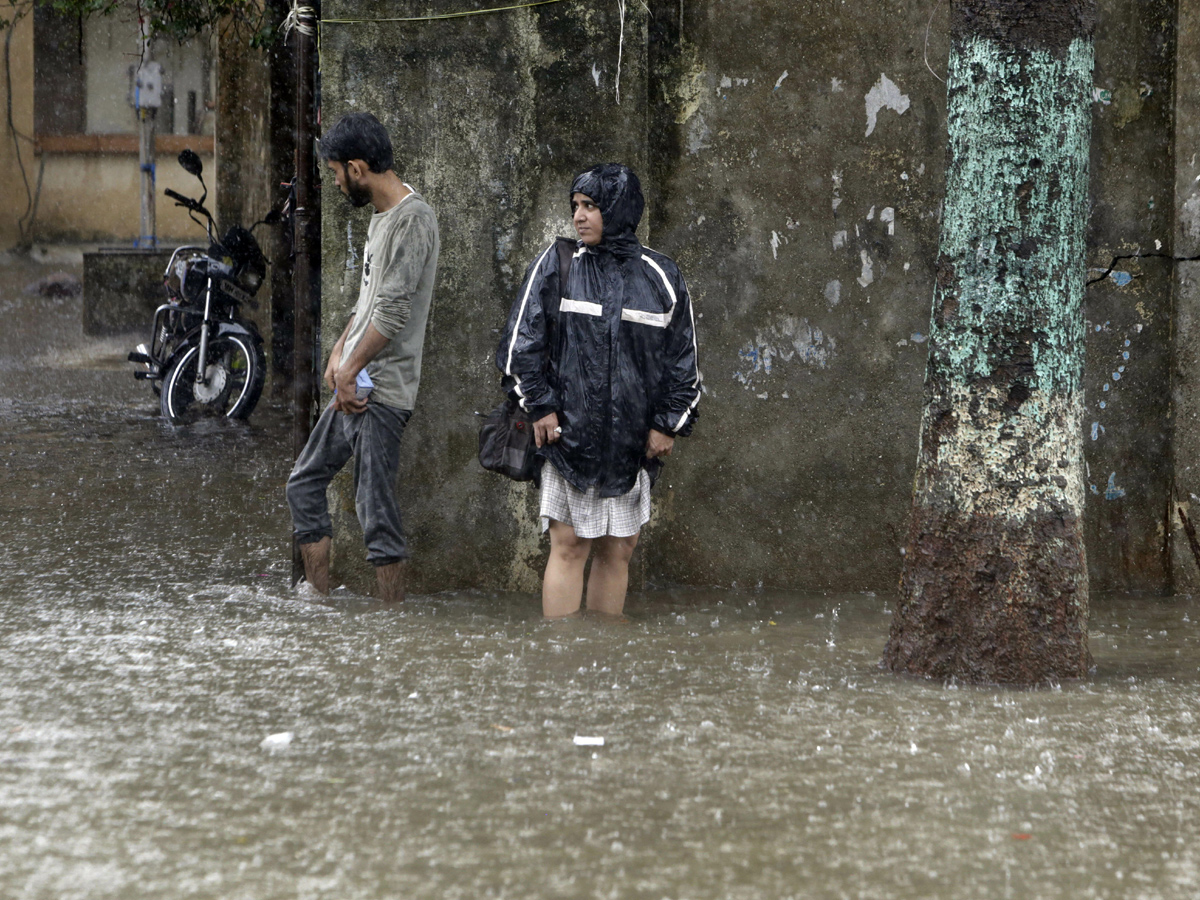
[(274, 217), (191, 162)]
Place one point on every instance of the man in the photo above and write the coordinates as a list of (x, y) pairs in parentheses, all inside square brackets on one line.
[(375, 366)]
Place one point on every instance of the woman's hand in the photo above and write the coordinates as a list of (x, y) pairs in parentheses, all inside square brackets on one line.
[(659, 444), (546, 430)]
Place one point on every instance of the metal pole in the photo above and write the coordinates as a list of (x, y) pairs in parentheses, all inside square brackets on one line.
[(146, 115), (307, 233), (147, 94)]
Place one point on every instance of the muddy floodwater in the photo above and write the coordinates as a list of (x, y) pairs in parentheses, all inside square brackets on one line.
[(153, 662)]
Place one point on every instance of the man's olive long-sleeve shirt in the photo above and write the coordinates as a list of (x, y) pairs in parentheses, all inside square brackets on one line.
[(399, 267)]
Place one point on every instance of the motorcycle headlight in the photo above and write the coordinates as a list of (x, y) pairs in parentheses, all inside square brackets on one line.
[(177, 277)]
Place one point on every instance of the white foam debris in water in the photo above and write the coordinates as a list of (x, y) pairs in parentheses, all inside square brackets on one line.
[(585, 741), (276, 743)]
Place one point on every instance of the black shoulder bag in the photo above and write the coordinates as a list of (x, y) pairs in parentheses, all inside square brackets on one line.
[(506, 442)]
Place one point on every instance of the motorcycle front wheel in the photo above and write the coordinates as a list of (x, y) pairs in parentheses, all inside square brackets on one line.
[(233, 380)]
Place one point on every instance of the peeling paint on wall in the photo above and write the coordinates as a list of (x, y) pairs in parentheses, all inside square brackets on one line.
[(833, 293), (884, 95), (888, 216), (791, 339), (1111, 491), (1190, 217), (698, 135), (690, 91), (868, 269), (775, 242), (351, 253)]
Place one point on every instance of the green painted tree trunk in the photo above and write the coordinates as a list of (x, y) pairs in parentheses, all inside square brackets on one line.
[(994, 587)]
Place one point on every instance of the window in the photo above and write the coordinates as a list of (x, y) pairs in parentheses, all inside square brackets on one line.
[(82, 74)]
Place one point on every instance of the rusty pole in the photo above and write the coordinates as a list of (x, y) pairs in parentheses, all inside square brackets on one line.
[(308, 262)]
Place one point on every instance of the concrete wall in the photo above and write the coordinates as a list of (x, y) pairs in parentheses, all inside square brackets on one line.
[(802, 174), (1186, 242), (491, 117), (1127, 409), (793, 156), (96, 197)]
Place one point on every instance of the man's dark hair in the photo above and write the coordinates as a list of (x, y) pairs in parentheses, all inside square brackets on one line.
[(359, 135)]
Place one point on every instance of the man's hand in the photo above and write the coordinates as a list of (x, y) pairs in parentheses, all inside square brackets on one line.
[(546, 430), (335, 362), (344, 400), (335, 355), (659, 444)]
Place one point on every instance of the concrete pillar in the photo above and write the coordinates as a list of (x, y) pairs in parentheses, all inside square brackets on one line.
[(242, 149), (242, 181)]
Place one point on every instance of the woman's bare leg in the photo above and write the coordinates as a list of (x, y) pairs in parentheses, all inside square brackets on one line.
[(562, 585), (609, 579)]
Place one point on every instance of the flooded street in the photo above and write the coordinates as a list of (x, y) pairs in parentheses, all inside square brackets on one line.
[(150, 645)]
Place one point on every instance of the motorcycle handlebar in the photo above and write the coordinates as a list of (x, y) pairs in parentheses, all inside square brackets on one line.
[(194, 205)]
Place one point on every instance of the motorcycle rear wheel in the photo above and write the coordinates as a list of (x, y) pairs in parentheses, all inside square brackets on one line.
[(235, 371)]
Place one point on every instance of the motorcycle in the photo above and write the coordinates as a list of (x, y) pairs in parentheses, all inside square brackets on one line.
[(203, 357)]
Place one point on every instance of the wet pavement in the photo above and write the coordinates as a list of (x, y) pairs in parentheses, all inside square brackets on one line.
[(152, 656)]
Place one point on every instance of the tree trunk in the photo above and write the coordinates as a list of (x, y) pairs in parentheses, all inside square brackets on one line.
[(994, 586)]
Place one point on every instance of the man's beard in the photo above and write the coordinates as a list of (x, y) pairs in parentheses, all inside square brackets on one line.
[(357, 194)]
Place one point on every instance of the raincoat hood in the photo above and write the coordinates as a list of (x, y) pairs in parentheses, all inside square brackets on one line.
[(618, 193)]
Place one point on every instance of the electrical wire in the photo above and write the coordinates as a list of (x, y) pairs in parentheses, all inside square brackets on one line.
[(928, 27), (454, 15), (1117, 259), (25, 227)]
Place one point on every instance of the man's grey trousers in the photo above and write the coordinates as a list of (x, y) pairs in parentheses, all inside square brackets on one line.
[(372, 438)]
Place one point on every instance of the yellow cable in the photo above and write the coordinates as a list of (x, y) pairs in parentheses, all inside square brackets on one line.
[(457, 15)]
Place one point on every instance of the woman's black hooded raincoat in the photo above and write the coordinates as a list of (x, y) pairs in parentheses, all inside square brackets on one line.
[(614, 353)]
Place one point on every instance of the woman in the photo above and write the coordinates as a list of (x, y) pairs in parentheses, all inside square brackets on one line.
[(605, 364)]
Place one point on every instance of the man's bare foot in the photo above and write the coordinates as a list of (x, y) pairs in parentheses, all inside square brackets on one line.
[(390, 579), (316, 564)]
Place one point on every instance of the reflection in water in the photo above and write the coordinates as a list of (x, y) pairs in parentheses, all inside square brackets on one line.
[(149, 645)]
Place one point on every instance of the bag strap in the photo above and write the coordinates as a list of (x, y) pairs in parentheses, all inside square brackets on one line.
[(566, 252)]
